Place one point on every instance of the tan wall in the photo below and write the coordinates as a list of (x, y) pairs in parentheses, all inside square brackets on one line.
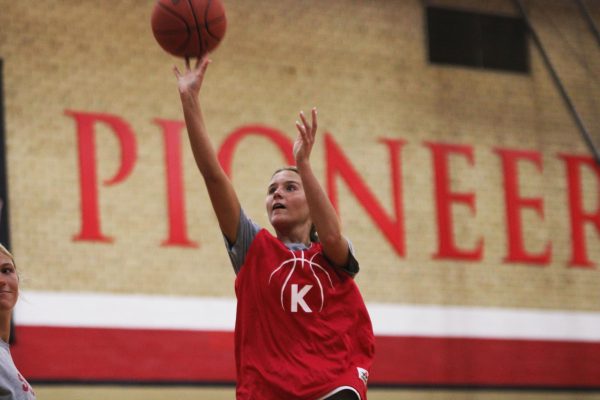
[(370, 78), (364, 65)]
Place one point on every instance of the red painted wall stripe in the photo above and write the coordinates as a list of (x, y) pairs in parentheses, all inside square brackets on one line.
[(486, 362), (96, 354), (129, 355)]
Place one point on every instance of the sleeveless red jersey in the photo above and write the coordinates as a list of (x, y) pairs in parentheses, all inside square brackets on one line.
[(302, 328)]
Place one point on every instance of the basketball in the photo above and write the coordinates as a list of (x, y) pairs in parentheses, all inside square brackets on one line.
[(188, 28)]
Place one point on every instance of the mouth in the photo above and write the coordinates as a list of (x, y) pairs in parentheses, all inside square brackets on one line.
[(278, 206)]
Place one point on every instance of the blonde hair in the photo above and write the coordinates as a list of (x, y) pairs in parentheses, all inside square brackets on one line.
[(6, 252)]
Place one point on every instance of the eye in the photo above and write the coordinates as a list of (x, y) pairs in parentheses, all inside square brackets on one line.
[(271, 190), (7, 269), (290, 187)]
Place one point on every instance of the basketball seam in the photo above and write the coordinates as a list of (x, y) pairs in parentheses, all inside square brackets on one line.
[(173, 13), (179, 17), (206, 22), (200, 44)]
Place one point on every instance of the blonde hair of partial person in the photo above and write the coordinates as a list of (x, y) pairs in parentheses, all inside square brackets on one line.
[(12, 258), (5, 330), (5, 251)]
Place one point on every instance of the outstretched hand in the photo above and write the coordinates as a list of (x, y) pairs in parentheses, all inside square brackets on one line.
[(306, 136), (190, 81)]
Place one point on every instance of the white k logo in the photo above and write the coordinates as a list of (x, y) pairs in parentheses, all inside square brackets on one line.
[(298, 298)]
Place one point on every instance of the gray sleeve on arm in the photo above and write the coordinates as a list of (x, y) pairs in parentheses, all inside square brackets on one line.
[(247, 231), (352, 266)]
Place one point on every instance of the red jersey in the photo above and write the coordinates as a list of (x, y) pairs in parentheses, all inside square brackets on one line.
[(302, 328)]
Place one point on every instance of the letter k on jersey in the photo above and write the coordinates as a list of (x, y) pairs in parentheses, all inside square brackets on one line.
[(300, 275), (298, 298)]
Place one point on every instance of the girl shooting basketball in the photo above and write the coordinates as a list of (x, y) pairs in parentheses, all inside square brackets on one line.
[(302, 329)]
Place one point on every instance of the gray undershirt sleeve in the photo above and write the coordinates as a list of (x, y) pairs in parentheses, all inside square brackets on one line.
[(352, 266), (247, 231)]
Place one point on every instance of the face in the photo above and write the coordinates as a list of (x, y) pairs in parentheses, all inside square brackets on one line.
[(9, 283), (286, 202)]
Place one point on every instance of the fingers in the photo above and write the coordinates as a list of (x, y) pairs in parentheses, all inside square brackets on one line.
[(199, 67), (304, 138), (306, 135), (304, 122), (203, 64), (300, 128), (310, 130)]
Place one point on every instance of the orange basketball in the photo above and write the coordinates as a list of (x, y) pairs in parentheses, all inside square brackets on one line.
[(188, 28)]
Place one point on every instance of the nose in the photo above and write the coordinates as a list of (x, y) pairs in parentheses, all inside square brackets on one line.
[(277, 194)]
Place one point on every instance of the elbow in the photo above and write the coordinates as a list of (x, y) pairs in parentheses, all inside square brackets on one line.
[(210, 177), (212, 173)]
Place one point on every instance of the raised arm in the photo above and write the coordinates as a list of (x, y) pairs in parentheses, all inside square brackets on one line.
[(322, 213), (220, 189)]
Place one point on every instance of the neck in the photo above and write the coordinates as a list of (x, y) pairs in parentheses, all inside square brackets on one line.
[(297, 234), (5, 325)]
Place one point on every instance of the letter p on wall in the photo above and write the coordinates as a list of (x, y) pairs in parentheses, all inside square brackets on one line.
[(88, 179)]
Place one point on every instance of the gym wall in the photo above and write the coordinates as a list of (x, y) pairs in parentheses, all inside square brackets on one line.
[(469, 195)]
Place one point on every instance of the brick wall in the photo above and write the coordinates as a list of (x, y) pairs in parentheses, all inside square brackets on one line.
[(364, 64)]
